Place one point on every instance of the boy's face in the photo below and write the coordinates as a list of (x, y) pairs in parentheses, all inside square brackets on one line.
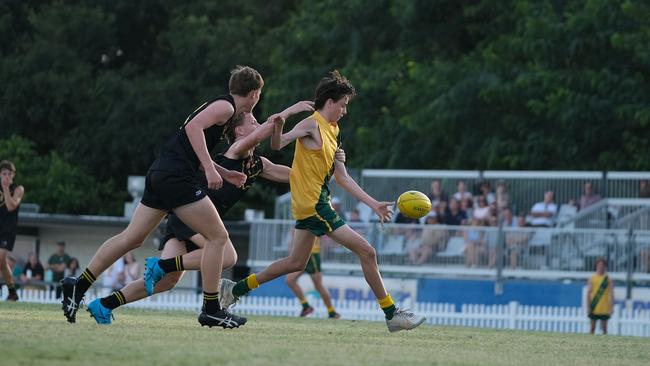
[(6, 174), (340, 108)]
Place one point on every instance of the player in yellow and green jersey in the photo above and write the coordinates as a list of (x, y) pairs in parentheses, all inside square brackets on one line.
[(600, 296), (313, 166), (314, 270)]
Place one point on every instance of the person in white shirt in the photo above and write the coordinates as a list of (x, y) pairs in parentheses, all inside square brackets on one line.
[(542, 213), (462, 194)]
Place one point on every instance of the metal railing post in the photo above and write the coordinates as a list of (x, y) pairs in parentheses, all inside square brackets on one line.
[(498, 284), (630, 264)]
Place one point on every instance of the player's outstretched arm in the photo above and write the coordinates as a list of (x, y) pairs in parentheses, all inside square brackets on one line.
[(343, 179), (216, 113), (275, 172), (305, 128), (231, 176)]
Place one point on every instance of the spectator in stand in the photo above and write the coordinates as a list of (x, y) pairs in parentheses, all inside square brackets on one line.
[(16, 265), (467, 206), (454, 215), (462, 194), (474, 244), (114, 278), (502, 196), (437, 194), (516, 241), (588, 197), (441, 211), (483, 212), (57, 263), (403, 219), (73, 267), (644, 189), (486, 191), (131, 268), (355, 216), (542, 213), (433, 239), (33, 273)]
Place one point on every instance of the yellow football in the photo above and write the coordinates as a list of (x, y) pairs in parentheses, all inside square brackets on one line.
[(414, 204)]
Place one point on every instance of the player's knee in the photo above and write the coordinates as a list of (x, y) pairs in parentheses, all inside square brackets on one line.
[(229, 262), (296, 265), (368, 254), (217, 237)]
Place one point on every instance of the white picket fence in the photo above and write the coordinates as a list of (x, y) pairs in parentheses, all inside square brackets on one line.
[(510, 316)]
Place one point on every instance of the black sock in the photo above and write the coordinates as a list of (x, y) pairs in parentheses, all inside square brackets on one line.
[(114, 300), (85, 280), (211, 302), (172, 264), (12, 289)]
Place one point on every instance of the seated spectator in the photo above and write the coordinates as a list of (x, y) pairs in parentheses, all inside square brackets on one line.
[(588, 197), (516, 241), (403, 219), (467, 205), (486, 191), (433, 241), (454, 215), (474, 244), (57, 263), (462, 194), (114, 278), (483, 212), (644, 189), (33, 273), (502, 195), (73, 267), (355, 216), (437, 194), (542, 213), (440, 209)]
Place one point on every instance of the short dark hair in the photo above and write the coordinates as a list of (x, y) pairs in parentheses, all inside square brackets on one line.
[(333, 86), (236, 121), (60, 242), (6, 164), (243, 80)]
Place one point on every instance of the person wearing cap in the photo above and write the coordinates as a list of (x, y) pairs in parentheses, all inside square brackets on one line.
[(57, 263)]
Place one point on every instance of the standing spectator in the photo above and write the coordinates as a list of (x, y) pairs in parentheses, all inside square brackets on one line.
[(437, 194), (131, 268), (486, 191), (57, 263), (588, 197), (73, 267), (600, 296), (542, 213), (454, 215), (502, 196), (644, 189), (462, 194), (10, 197), (33, 271)]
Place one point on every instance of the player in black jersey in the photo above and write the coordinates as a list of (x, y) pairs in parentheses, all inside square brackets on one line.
[(245, 134), (10, 197), (171, 185)]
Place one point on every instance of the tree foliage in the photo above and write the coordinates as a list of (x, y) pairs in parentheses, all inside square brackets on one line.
[(96, 86)]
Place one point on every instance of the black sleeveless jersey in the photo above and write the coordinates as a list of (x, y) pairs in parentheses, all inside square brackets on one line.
[(8, 219), (177, 154), (225, 197)]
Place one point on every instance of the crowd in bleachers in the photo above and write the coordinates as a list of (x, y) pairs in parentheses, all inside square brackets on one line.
[(471, 216)]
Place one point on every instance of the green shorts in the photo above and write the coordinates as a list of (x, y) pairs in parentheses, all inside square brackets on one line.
[(598, 316), (313, 266), (325, 221)]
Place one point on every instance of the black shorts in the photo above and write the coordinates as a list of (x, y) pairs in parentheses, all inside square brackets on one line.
[(598, 316), (189, 245), (165, 190), (7, 242)]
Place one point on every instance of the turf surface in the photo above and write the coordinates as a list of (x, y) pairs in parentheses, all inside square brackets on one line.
[(38, 335)]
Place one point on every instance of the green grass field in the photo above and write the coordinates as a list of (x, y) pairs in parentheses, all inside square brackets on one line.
[(38, 335)]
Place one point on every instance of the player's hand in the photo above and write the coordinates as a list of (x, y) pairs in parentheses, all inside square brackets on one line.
[(235, 178), (340, 155), (214, 179), (384, 211), (302, 106), (5, 182), (277, 120)]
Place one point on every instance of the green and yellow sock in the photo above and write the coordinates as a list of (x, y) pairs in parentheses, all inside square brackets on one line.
[(211, 302), (114, 300), (245, 286), (304, 303), (172, 264), (331, 312), (85, 280), (388, 306)]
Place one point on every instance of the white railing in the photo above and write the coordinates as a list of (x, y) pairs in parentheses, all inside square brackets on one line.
[(509, 316)]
